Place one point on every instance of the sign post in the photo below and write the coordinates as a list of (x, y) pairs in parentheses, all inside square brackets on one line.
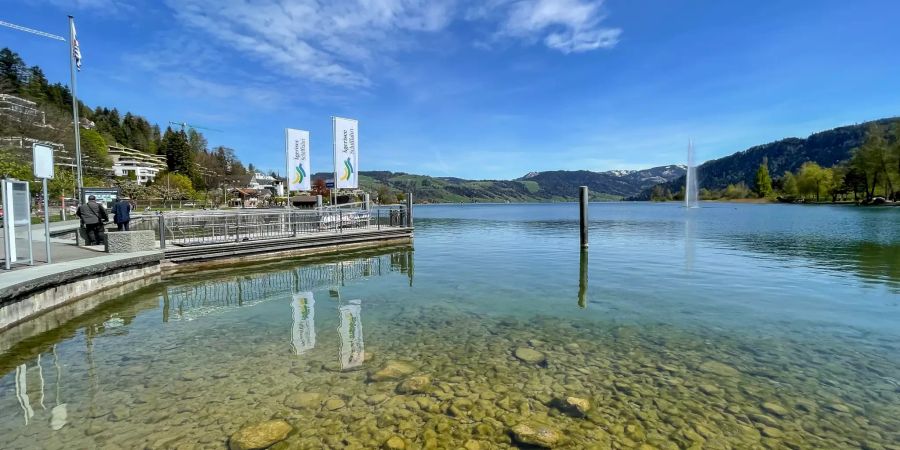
[(43, 169), (297, 159), (346, 153)]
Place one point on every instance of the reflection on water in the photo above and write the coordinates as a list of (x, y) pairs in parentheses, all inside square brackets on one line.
[(303, 328), (58, 413), (350, 330), (583, 278)]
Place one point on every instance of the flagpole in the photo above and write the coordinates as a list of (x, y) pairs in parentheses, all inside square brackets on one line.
[(75, 103), (334, 159)]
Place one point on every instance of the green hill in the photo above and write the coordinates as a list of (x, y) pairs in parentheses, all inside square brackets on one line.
[(825, 148), (549, 186)]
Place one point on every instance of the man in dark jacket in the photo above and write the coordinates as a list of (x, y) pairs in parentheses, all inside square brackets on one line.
[(93, 216), (122, 213)]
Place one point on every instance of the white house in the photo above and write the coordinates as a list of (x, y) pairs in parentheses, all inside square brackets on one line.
[(128, 160)]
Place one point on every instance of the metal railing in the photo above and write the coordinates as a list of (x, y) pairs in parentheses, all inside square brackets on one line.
[(216, 227)]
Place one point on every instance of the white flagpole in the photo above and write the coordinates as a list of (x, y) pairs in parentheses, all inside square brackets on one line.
[(75, 103), (287, 168), (334, 159)]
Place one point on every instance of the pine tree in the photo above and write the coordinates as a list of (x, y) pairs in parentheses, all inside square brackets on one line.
[(763, 180), (12, 70), (178, 153)]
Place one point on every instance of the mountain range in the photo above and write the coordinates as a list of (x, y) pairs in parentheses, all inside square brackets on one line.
[(826, 148), (557, 185)]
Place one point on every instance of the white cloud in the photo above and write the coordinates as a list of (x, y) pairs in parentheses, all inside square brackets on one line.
[(318, 40), (344, 43), (565, 25)]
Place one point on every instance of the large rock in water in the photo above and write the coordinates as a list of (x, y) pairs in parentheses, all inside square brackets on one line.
[(538, 435), (260, 436), (530, 356), (392, 370)]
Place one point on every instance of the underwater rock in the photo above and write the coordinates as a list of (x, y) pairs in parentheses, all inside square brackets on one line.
[(838, 407), (304, 400), (334, 404), (538, 435), (717, 368), (573, 406), (395, 443), (392, 370), (260, 436), (774, 408), (531, 356), (415, 385)]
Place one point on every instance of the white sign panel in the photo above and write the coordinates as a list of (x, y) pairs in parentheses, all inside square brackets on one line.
[(346, 153), (297, 148), (43, 161)]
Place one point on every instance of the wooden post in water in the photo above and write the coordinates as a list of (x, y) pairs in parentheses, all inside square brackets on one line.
[(409, 213), (583, 205)]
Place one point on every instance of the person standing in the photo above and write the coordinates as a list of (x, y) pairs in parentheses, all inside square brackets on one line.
[(93, 216), (122, 213)]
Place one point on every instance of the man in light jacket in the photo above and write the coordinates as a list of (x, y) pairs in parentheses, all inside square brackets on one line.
[(93, 216)]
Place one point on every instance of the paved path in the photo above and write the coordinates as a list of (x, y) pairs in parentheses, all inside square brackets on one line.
[(62, 250)]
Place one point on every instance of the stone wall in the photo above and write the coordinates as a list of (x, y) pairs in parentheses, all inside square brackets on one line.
[(27, 300), (130, 241)]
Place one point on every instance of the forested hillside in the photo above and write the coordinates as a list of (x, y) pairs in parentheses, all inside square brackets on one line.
[(536, 186), (826, 149)]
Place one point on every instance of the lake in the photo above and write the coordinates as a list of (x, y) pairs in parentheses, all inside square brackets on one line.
[(727, 326)]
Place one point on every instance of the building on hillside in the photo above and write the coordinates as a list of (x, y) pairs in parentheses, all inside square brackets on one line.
[(22, 110), (249, 197), (144, 166), (23, 146), (260, 181)]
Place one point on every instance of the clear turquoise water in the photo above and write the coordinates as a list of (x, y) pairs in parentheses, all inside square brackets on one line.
[(799, 304)]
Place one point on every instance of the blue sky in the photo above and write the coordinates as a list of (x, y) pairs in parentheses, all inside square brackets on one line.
[(481, 89)]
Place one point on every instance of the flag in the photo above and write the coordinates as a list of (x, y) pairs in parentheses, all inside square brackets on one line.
[(76, 50)]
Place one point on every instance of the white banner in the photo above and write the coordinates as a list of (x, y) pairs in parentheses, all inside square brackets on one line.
[(346, 153), (297, 150)]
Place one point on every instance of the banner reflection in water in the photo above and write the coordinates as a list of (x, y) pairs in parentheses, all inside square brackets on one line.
[(303, 328), (350, 330)]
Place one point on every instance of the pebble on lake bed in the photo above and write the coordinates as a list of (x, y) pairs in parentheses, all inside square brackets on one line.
[(717, 368), (392, 370), (531, 356), (260, 436), (537, 435)]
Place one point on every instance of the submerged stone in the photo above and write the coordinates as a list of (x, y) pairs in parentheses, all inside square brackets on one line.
[(538, 435), (717, 368), (774, 408), (394, 443), (573, 406), (304, 400), (334, 404), (530, 355), (260, 436), (414, 385), (392, 370), (838, 407)]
